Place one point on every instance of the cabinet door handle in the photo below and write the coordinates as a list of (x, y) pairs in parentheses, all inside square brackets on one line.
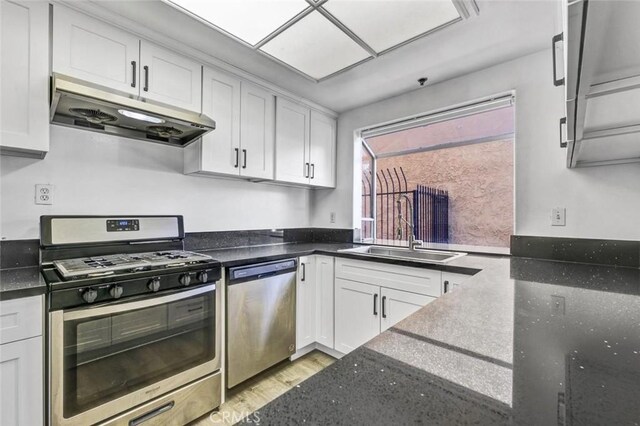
[(237, 158), (304, 271), (313, 170), (556, 38), (563, 142), (384, 306), (306, 170), (244, 158), (446, 286), (135, 73), (375, 304), (146, 78)]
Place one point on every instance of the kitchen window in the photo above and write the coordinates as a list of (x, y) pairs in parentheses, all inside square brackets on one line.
[(455, 166)]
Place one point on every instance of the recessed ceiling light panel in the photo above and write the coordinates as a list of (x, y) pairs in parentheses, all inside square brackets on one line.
[(383, 24), (315, 47), (248, 20)]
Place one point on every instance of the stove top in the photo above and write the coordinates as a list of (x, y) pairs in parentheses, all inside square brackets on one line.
[(97, 266)]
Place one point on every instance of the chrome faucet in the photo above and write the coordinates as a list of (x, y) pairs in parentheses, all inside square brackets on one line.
[(413, 243)]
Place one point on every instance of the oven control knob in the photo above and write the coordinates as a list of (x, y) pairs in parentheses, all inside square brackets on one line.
[(115, 291), (185, 279), (154, 285), (89, 295), (202, 276)]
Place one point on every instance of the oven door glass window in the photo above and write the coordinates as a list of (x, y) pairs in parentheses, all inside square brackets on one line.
[(106, 357)]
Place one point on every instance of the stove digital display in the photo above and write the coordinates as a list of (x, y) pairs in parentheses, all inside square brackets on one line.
[(120, 225)]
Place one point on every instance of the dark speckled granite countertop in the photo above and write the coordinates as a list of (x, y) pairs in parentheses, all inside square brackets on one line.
[(21, 282), (26, 281), (524, 341)]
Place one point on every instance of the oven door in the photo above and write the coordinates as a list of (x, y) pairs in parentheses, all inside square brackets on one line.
[(110, 358)]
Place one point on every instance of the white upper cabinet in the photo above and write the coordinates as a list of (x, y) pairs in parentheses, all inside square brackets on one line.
[(170, 78), (305, 145), (292, 142), (24, 87), (242, 143), (322, 152), (92, 50), (218, 151), (257, 132)]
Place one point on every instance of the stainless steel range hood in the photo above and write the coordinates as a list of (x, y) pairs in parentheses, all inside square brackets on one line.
[(83, 105)]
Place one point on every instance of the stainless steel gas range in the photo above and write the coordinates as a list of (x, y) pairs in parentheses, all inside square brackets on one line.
[(133, 321)]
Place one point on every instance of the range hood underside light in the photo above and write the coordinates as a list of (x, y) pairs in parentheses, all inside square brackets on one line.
[(141, 116)]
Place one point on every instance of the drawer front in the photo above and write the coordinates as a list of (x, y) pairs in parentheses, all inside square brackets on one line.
[(20, 318), (416, 280)]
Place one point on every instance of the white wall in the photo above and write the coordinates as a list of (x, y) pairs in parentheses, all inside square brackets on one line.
[(601, 202), (100, 174)]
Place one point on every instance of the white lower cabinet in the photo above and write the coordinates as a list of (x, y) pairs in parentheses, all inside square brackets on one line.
[(21, 362), (314, 302), (324, 275), (357, 307), (397, 305), (451, 281), (370, 297), (21, 383), (305, 303)]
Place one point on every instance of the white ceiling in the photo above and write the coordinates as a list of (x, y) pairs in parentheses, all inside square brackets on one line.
[(504, 30)]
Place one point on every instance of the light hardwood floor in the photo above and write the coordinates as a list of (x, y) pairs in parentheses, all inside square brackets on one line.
[(264, 388)]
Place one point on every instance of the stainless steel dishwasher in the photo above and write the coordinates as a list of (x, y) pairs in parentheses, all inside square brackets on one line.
[(261, 318)]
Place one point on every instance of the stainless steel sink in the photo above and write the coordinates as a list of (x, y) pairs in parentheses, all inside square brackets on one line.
[(422, 255)]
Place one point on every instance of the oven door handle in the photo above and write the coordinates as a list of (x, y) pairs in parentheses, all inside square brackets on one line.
[(94, 311)]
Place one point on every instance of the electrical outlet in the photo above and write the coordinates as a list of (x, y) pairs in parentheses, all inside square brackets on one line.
[(558, 216), (44, 194), (332, 217)]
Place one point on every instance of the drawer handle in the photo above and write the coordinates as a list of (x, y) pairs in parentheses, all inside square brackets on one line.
[(237, 158), (556, 81), (244, 158), (563, 142), (146, 79), (446, 286), (384, 306), (375, 304), (134, 66), (304, 272), (151, 414), (306, 170)]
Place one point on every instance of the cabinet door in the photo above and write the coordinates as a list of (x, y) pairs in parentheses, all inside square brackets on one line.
[(305, 303), (219, 151), (24, 86), (322, 152), (324, 300), (257, 132), (292, 142), (170, 78), (451, 281), (21, 383), (94, 51), (357, 314), (396, 305)]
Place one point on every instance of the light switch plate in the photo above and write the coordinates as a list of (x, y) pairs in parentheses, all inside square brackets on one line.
[(44, 194), (558, 216)]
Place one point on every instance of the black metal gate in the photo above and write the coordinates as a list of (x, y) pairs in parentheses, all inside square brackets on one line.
[(430, 213)]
